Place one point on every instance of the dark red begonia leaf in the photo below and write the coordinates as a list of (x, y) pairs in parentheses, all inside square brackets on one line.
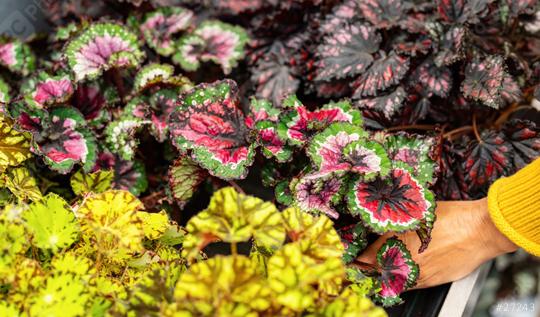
[(484, 79), (89, 100), (382, 13), (451, 46), (486, 160), (524, 139), (347, 52), (398, 271), (419, 47), (383, 73), (387, 104), (435, 80), (273, 75), (341, 15), (462, 11), (398, 203), (510, 90), (208, 122)]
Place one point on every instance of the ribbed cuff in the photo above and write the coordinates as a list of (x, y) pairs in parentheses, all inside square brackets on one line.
[(514, 206)]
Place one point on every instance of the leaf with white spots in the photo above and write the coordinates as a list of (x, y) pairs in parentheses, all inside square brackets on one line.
[(100, 47), (208, 122)]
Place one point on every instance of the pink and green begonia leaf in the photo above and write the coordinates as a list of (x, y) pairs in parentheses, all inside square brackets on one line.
[(47, 90), (354, 239), (120, 136), (153, 111), (152, 74), (398, 271), (4, 92), (283, 193), (416, 152), (214, 41), (208, 122), (398, 203), (16, 56), (128, 175), (318, 193), (158, 27), (161, 105), (299, 124), (272, 145), (367, 158), (383, 73), (261, 110), (101, 47), (65, 141), (326, 149), (346, 52)]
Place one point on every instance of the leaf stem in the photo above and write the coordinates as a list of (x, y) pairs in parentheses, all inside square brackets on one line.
[(459, 130), (412, 127), (475, 129), (505, 114), (234, 249), (237, 187)]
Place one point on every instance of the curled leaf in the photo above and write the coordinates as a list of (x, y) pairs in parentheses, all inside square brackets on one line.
[(100, 47), (158, 27), (184, 178), (398, 271)]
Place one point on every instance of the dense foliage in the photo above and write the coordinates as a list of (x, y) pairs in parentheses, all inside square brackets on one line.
[(356, 114)]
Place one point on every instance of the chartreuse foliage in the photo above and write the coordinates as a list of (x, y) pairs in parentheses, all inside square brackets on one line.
[(107, 256), (86, 141)]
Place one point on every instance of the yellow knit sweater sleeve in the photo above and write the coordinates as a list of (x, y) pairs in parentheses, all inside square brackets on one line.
[(514, 206)]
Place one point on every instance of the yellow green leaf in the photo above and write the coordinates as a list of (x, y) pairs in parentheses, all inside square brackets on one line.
[(97, 182), (109, 221), (13, 243), (296, 278), (154, 224), (23, 185), (14, 145), (61, 295), (350, 304), (316, 234), (52, 223), (233, 217), (223, 286)]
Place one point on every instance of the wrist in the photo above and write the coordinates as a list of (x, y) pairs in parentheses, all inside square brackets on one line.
[(493, 240)]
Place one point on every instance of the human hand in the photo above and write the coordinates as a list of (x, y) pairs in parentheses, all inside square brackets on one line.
[(463, 238)]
